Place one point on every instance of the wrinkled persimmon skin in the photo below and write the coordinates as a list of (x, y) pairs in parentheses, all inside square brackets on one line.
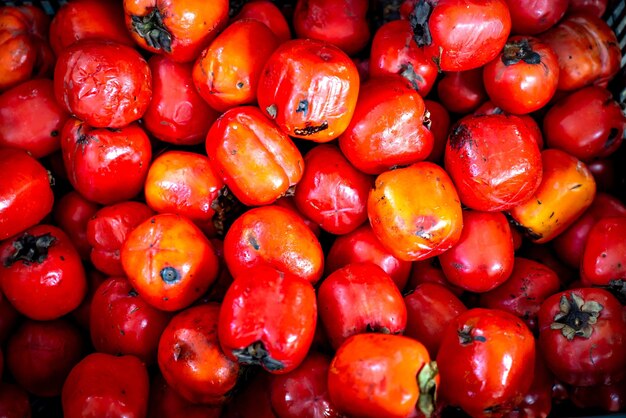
[(375, 375), (275, 236), (169, 261), (566, 191), (190, 24), (387, 128), (394, 52), (489, 108), (415, 211), (604, 256), (227, 72), (268, 13), (107, 85), (494, 161), (257, 161), (530, 17), (310, 89)]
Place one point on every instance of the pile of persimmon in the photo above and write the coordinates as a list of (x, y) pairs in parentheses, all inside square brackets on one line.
[(311, 208)]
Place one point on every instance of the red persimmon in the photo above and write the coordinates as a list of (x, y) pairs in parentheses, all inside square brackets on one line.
[(604, 256), (530, 17), (462, 91), (82, 314), (595, 7), (268, 13), (14, 402), (489, 108), (437, 120), (8, 318), (165, 402), (72, 213)]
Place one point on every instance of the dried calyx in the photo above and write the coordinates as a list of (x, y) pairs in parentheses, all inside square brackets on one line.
[(30, 249), (426, 380), (256, 354), (576, 316), (521, 50), (151, 28), (419, 23)]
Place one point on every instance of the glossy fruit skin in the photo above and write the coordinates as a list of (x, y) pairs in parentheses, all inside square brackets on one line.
[(538, 400), (430, 308), (253, 400), (46, 283), (360, 298), (227, 72), (332, 192), (25, 193), (123, 323), (304, 392), (482, 259), (595, 7), (489, 108), (82, 314), (72, 213), (177, 114), (462, 35), (169, 261), (105, 166), (343, 24), (501, 344), (387, 128), (530, 17), (401, 211), (257, 161), (585, 361), (275, 236), (74, 21), (106, 386), (429, 271), (395, 52), (566, 191), (14, 402), (8, 318), (487, 175), (570, 244), (268, 13), (268, 318), (375, 375), (361, 245), (609, 398), (191, 359), (522, 86), (462, 91), (31, 119), (522, 294), (587, 49), (438, 122), (604, 255), (106, 84), (310, 89), (165, 402), (587, 124), (40, 355), (107, 230)]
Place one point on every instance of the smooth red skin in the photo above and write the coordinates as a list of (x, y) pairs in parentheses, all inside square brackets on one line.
[(522, 88), (257, 161), (106, 386), (123, 323), (14, 402), (605, 174), (25, 193), (429, 271), (343, 24), (595, 7), (72, 213), (462, 92), (530, 17), (489, 108), (176, 114), (224, 279), (47, 290), (8, 318), (312, 70), (430, 308), (332, 192), (107, 230), (357, 298), (76, 20), (31, 119), (304, 392), (288, 202), (252, 401), (106, 166), (393, 50), (191, 360), (275, 308), (487, 173), (587, 124), (165, 402), (496, 372), (387, 128), (40, 355), (106, 84), (467, 34), (360, 246), (280, 235), (538, 400), (524, 291), (604, 255), (611, 398), (440, 128), (269, 14), (546, 255), (585, 362), (570, 245), (482, 259), (587, 49), (82, 314)]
